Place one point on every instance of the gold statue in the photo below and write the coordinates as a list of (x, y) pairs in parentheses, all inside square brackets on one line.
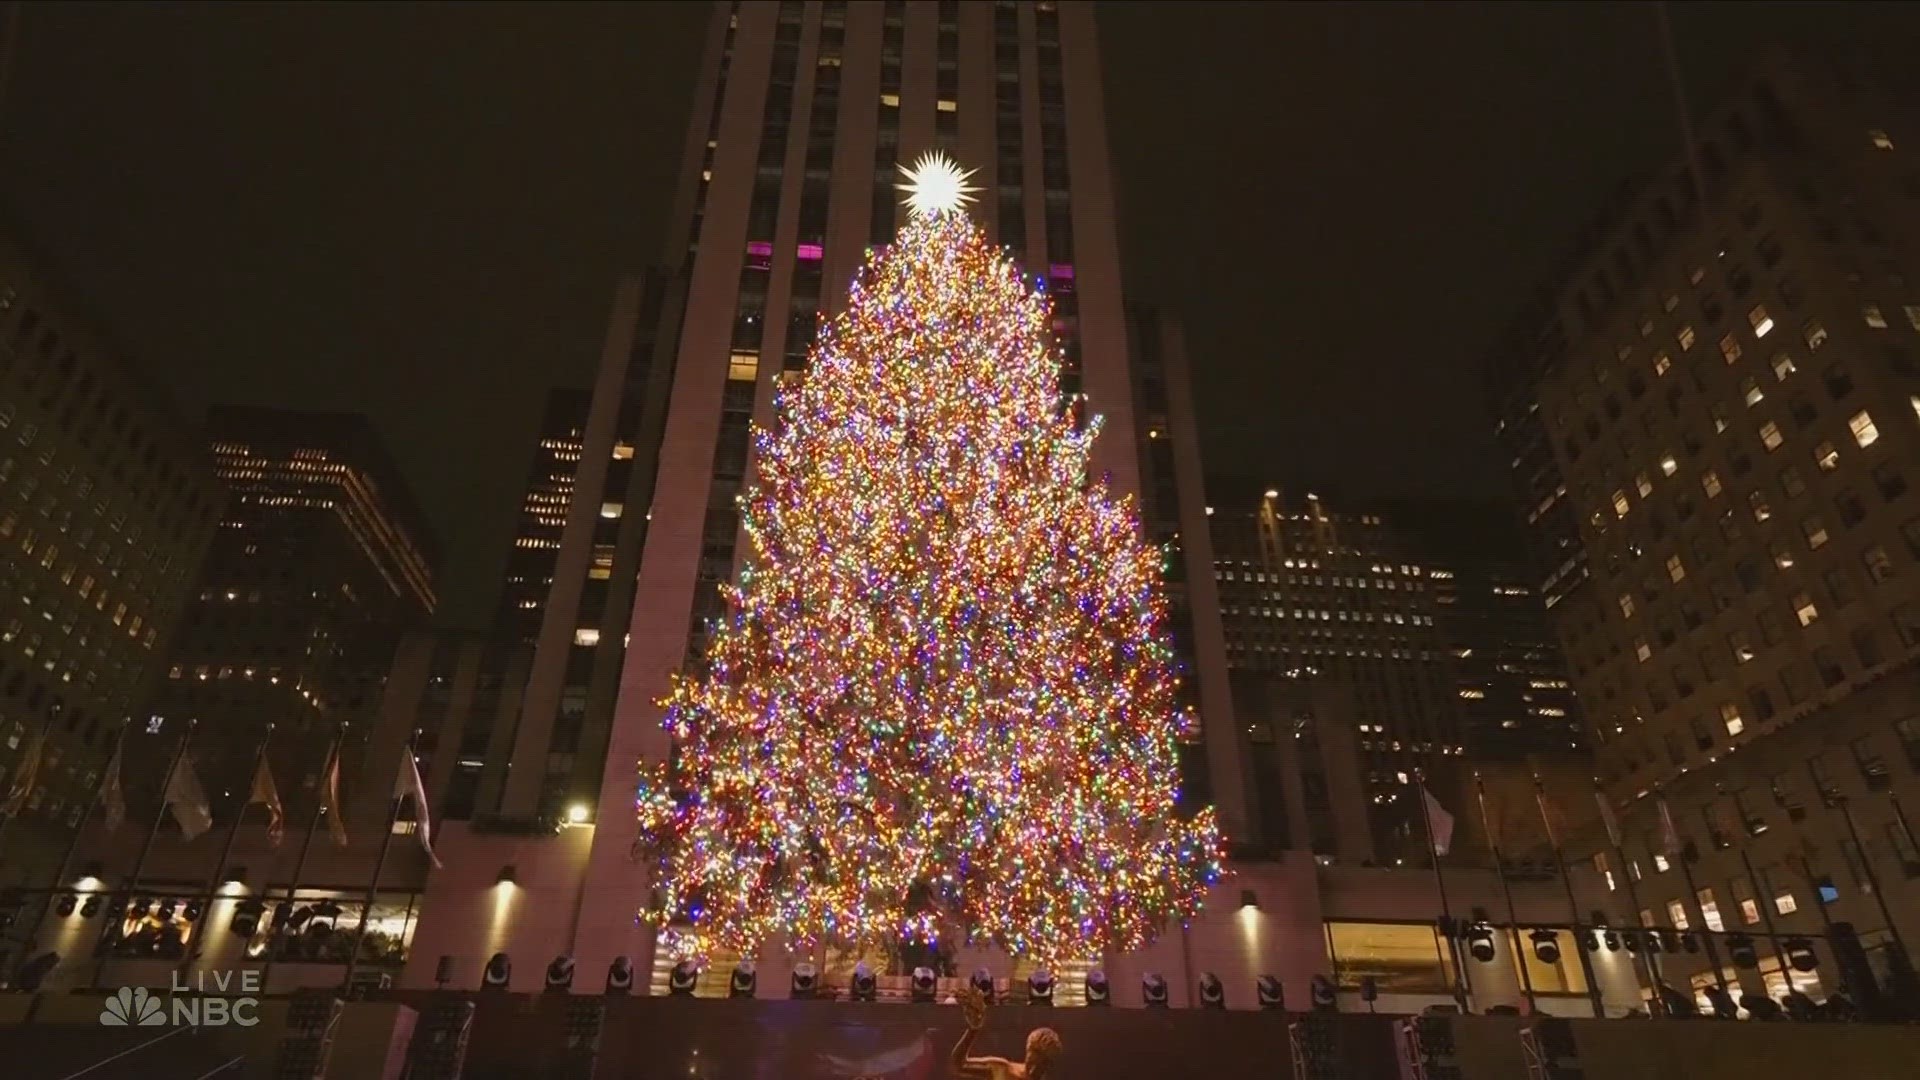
[(1043, 1045)]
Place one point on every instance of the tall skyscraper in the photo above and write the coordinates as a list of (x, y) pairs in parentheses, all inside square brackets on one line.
[(558, 444), (1713, 418), (803, 113), (106, 504), (320, 564)]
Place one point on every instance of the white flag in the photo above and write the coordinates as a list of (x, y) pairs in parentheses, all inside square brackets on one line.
[(1670, 844), (1439, 823), (408, 783), (1607, 818), (113, 798), (188, 799), (336, 825), (267, 793)]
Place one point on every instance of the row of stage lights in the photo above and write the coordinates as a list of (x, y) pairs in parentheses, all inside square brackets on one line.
[(744, 980), (246, 916), (1478, 934)]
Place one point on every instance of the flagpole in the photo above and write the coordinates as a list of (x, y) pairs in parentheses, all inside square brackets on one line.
[(1693, 892), (73, 845), (1513, 913), (212, 890), (1765, 889), (379, 864), (1657, 1005), (1440, 882), (117, 916), (1573, 903), (7, 802), (320, 807)]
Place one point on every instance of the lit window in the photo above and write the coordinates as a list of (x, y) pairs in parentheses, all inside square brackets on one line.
[(1804, 610), (943, 105), (1879, 564), (1642, 650), (1871, 313), (1816, 334), (891, 101), (1913, 314), (1751, 393), (623, 451), (1826, 457), (1620, 504), (1815, 532), (1782, 555), (1863, 430), (1730, 716), (586, 635), (1709, 910), (1668, 465), (1661, 865), (1626, 605), (1644, 484), (1662, 364), (1676, 911), (1785, 904), (1761, 322), (611, 510), (1782, 367), (1730, 348), (1879, 139), (1676, 571), (1696, 275), (1749, 911), (743, 366), (1770, 436), (1914, 401), (1672, 301), (1710, 483), (1472, 694), (1757, 501), (1742, 646), (1686, 338)]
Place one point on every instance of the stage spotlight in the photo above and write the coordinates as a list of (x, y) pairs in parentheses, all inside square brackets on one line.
[(498, 972), (166, 910), (982, 980), (744, 980), (1760, 1008), (1546, 946), (1267, 990), (66, 905), (91, 905), (1591, 939), (1800, 954), (805, 981), (1040, 988), (1741, 951), (865, 986), (283, 914), (1213, 993), (1153, 991), (1480, 942), (620, 975), (193, 911), (925, 983), (246, 917), (327, 910), (681, 980), (1613, 941), (1098, 992), (560, 974), (1325, 995)]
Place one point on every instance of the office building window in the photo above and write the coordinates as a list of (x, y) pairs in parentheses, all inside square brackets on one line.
[(1864, 433)]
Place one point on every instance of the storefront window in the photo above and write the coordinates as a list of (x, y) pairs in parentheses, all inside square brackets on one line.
[(1403, 958)]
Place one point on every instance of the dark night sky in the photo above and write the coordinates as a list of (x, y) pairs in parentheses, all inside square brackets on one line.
[(418, 211)]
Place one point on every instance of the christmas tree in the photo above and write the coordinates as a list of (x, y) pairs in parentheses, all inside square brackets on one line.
[(941, 700)]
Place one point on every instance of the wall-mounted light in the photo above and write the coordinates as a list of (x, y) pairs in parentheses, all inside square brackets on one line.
[(507, 874)]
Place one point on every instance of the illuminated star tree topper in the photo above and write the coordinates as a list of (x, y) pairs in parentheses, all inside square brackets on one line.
[(942, 702), (936, 185)]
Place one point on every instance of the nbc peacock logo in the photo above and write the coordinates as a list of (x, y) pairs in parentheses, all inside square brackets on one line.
[(133, 1006)]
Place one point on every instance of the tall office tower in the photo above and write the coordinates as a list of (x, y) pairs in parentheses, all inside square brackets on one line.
[(1727, 378), (1339, 598), (1515, 699), (320, 563), (106, 505), (558, 446), (802, 115)]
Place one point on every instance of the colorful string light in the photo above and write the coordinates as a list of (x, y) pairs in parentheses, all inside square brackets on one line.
[(941, 701)]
